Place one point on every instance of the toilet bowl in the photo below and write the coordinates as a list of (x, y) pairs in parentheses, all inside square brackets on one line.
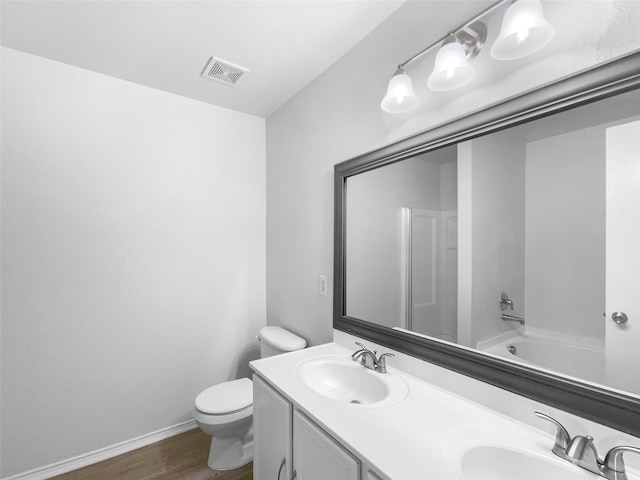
[(225, 411)]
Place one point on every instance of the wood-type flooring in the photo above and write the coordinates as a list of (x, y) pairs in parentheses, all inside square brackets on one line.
[(183, 457)]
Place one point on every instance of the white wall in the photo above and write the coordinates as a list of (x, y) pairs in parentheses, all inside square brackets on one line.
[(133, 258), (449, 250), (495, 257), (337, 117), (565, 233)]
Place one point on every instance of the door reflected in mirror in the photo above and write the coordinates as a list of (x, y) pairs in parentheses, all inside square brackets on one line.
[(547, 212)]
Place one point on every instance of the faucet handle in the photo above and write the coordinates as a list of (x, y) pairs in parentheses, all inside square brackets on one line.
[(355, 354), (562, 436), (613, 460), (381, 363), (504, 301)]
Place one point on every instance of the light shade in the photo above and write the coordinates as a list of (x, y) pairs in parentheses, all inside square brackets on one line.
[(451, 70), (524, 31), (400, 96)]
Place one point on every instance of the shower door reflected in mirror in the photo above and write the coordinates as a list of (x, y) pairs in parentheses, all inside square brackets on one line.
[(536, 211)]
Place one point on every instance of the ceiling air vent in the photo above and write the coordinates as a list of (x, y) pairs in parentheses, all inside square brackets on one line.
[(223, 72)]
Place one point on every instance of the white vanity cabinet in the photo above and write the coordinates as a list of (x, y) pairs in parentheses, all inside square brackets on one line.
[(289, 445), (272, 433)]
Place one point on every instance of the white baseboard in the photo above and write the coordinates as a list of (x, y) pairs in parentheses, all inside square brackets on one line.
[(65, 466)]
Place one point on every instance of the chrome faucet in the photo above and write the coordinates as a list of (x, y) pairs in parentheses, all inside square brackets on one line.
[(614, 463), (581, 451), (368, 359)]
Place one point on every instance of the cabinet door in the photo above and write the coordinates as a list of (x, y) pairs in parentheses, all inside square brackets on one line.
[(272, 433), (372, 476), (317, 456)]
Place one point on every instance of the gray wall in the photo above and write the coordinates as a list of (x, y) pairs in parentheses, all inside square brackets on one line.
[(337, 117)]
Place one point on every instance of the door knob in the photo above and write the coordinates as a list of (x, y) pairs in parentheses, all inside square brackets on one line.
[(619, 317)]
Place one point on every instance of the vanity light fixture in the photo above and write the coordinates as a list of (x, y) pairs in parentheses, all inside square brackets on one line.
[(400, 96), (524, 31)]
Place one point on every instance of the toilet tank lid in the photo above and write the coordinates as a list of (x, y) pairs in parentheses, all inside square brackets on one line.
[(227, 397), (282, 339)]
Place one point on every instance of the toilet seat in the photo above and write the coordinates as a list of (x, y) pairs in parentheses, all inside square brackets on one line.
[(225, 420), (226, 398)]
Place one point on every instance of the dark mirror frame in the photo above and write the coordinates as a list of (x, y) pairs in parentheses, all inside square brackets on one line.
[(601, 405)]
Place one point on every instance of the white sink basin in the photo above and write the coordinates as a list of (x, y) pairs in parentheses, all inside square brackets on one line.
[(483, 453), (498, 463), (349, 382)]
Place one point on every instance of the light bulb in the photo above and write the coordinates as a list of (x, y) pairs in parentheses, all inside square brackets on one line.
[(524, 31), (522, 35)]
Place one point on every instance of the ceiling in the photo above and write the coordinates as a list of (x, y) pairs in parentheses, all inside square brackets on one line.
[(167, 44)]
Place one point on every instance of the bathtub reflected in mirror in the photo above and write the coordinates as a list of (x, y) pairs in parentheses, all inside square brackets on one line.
[(578, 357), (546, 211)]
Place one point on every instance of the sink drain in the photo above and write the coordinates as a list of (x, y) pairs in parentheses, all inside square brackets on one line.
[(355, 401)]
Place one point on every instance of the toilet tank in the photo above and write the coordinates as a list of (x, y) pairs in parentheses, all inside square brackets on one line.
[(276, 340)]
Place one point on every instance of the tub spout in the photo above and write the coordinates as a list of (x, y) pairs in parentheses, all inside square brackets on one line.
[(512, 318)]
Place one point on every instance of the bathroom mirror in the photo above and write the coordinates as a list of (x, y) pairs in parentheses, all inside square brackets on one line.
[(506, 245)]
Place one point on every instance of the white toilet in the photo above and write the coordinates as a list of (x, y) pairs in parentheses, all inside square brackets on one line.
[(225, 411)]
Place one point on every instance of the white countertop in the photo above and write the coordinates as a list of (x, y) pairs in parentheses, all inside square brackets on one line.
[(416, 438)]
